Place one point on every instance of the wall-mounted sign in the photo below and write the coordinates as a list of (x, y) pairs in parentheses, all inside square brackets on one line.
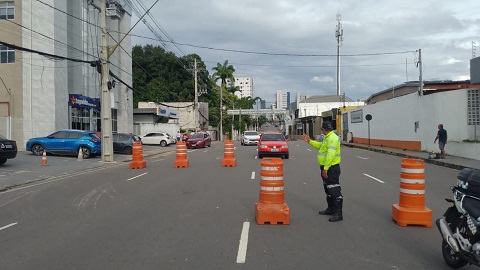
[(79, 101), (167, 112), (356, 116)]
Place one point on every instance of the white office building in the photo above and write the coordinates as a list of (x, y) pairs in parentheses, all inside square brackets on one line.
[(245, 84), (282, 99)]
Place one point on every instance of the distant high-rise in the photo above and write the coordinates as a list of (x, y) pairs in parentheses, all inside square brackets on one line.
[(245, 84), (263, 104), (282, 99)]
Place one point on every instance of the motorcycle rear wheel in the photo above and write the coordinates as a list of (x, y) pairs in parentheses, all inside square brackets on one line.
[(451, 258)]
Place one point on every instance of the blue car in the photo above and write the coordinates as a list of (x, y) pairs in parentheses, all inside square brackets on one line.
[(67, 142)]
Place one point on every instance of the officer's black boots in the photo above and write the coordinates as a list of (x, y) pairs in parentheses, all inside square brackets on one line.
[(330, 209), (337, 215)]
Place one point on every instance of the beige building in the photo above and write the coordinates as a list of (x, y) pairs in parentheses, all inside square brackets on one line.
[(47, 81)]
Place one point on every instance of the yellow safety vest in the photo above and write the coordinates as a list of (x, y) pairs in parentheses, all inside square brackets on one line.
[(328, 150)]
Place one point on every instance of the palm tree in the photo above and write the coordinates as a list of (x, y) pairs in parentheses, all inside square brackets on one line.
[(222, 73)]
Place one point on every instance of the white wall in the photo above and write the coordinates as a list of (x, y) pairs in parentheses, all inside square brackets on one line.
[(395, 119)]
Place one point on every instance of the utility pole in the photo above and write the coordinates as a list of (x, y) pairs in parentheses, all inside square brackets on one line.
[(420, 79), (195, 105), (106, 111), (221, 113), (339, 36)]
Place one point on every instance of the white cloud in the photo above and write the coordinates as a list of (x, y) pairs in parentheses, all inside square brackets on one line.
[(322, 79), (450, 61)]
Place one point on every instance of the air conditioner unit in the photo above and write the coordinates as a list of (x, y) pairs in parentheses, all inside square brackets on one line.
[(113, 11)]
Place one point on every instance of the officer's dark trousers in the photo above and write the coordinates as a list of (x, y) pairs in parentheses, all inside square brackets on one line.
[(332, 183)]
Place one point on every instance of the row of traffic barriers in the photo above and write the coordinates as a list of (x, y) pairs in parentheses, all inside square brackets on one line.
[(272, 209), (181, 160)]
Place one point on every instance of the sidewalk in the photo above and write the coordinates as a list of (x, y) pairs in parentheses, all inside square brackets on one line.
[(450, 161)]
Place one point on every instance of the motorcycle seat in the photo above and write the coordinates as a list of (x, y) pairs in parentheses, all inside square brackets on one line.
[(472, 206)]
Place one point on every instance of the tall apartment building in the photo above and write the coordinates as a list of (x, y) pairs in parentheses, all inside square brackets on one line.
[(40, 94), (282, 99), (246, 86)]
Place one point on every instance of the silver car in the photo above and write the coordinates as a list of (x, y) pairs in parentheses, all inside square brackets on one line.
[(250, 137)]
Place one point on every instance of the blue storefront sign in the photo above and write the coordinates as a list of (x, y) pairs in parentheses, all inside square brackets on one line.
[(79, 101)]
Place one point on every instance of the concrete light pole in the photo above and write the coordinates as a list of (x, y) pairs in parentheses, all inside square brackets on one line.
[(106, 111)]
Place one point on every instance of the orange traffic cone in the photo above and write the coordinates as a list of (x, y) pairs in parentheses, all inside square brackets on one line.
[(181, 160), (137, 157), (229, 155), (272, 208), (411, 209), (44, 158)]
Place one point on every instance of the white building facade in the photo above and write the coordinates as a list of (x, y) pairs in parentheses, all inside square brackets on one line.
[(46, 93), (282, 99), (245, 84)]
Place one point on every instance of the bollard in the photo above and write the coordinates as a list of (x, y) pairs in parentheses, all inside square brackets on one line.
[(229, 154), (181, 160), (272, 209), (137, 156), (411, 208)]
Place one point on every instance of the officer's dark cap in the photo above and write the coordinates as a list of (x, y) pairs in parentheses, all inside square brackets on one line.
[(327, 125)]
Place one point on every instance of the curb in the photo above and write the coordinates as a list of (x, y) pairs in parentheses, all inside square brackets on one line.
[(427, 160)]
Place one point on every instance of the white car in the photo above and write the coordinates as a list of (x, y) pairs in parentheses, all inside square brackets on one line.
[(250, 137), (159, 138)]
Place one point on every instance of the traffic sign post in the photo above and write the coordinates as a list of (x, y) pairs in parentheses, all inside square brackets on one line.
[(368, 117)]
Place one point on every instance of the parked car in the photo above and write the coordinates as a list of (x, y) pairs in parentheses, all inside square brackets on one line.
[(199, 140), (249, 138), (272, 144), (123, 142), (8, 149), (160, 138), (67, 142)]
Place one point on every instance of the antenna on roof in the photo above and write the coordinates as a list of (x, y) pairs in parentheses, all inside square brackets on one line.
[(339, 36)]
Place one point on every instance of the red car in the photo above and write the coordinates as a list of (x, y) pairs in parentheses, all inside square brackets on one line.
[(272, 144), (199, 140)]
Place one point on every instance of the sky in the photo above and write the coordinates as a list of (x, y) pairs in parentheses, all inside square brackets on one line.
[(291, 45)]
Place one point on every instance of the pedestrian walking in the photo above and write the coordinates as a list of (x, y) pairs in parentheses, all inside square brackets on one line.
[(442, 139), (328, 158), (178, 136)]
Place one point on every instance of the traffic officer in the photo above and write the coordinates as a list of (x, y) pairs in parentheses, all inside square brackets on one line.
[(329, 160)]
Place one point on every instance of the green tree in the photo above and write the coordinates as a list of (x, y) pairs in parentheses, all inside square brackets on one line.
[(222, 73)]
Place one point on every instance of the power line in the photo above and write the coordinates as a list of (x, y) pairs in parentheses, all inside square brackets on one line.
[(279, 54)]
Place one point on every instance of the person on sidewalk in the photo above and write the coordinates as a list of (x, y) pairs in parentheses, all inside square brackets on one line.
[(442, 139), (329, 160)]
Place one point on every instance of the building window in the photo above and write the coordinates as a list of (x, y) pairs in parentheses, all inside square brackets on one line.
[(7, 10), (7, 55), (473, 107)]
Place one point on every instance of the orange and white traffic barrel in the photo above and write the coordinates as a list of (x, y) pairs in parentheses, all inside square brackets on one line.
[(137, 156), (181, 160), (272, 209), (411, 209), (229, 154)]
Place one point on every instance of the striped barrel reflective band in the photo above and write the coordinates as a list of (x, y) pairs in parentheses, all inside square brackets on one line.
[(181, 153), (229, 152), (405, 170), (271, 188), (271, 178), (412, 191), (137, 146), (269, 168), (412, 181)]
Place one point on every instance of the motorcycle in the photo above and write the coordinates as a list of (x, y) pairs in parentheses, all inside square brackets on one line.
[(460, 224)]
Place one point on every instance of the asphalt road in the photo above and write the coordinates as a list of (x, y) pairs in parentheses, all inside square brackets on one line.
[(161, 217)]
